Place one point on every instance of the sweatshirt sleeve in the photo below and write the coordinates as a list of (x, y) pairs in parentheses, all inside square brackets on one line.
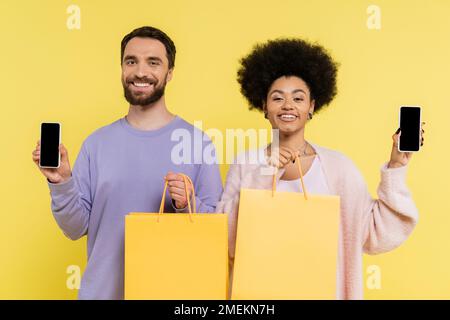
[(207, 185), (390, 219), (208, 188), (71, 201)]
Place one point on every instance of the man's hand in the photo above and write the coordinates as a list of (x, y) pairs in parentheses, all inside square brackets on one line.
[(54, 175), (177, 189)]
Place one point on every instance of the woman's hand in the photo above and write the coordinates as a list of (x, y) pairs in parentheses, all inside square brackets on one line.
[(281, 157), (400, 159)]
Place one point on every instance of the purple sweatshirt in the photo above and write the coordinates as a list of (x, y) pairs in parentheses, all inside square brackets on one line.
[(121, 169)]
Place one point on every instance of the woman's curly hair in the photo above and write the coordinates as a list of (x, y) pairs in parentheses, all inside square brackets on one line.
[(287, 57)]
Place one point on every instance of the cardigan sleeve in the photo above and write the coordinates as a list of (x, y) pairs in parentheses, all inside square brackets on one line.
[(390, 219)]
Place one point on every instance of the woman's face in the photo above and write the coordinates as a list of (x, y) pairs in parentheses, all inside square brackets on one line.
[(288, 104)]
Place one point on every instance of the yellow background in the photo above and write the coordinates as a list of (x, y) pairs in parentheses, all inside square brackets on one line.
[(50, 73)]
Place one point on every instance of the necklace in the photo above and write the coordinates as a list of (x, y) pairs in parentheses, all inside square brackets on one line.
[(304, 148)]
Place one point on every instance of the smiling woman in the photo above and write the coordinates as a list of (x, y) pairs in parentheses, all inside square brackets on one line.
[(289, 80)]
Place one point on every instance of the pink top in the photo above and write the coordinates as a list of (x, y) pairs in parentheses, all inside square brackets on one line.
[(368, 225), (314, 179)]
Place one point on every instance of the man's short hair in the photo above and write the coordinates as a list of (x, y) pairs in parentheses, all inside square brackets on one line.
[(153, 33)]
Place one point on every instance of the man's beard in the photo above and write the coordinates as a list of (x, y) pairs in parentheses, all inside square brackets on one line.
[(157, 93)]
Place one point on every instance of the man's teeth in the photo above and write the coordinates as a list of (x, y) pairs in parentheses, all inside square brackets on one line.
[(141, 84)]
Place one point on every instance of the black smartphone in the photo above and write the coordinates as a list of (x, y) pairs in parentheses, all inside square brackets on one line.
[(410, 126), (50, 140)]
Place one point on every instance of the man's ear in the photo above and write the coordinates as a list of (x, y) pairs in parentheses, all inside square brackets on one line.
[(169, 75)]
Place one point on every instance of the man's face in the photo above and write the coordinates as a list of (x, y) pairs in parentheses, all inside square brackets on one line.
[(145, 71)]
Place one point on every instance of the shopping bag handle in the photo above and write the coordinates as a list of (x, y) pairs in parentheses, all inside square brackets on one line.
[(191, 207), (274, 178)]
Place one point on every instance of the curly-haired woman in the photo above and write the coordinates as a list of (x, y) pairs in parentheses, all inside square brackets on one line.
[(289, 80)]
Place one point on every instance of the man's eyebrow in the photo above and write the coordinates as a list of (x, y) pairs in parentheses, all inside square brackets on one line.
[(128, 57), (154, 59)]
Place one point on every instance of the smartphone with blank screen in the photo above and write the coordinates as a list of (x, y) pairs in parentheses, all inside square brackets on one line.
[(410, 126), (50, 140)]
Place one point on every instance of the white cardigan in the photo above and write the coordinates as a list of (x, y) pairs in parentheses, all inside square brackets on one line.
[(367, 225)]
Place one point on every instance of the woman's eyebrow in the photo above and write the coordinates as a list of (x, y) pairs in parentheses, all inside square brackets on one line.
[(276, 91), (293, 91)]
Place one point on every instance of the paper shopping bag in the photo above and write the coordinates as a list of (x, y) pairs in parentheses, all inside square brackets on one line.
[(176, 256), (286, 245)]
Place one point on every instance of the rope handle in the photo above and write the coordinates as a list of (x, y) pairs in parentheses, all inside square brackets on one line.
[(274, 179), (192, 207)]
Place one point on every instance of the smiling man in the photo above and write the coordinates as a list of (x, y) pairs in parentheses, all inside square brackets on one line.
[(122, 167)]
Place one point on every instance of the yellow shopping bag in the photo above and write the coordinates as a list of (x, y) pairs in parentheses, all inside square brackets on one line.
[(176, 256), (286, 245)]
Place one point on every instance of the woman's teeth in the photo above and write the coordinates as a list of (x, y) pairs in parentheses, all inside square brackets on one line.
[(288, 117)]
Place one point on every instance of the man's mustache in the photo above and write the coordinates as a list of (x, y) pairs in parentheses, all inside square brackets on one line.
[(142, 80)]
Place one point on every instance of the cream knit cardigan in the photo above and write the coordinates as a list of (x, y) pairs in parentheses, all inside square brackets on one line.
[(367, 225)]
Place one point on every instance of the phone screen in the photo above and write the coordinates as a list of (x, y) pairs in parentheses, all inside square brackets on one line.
[(410, 129), (50, 145)]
